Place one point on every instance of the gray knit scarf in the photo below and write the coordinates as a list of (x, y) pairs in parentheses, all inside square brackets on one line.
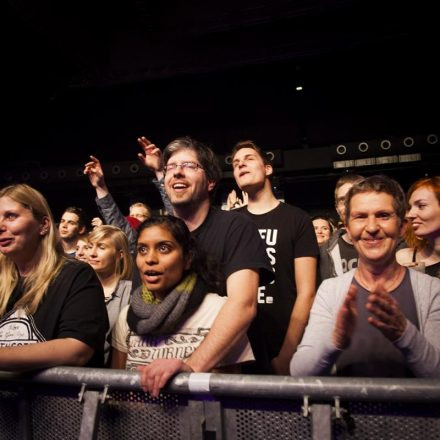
[(164, 317)]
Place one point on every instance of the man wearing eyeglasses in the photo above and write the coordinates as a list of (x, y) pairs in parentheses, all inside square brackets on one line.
[(380, 319), (190, 173), (338, 254)]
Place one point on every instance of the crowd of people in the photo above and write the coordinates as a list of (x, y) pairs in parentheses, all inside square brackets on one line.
[(258, 288)]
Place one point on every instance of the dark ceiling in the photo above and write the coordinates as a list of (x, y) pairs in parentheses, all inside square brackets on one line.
[(88, 77)]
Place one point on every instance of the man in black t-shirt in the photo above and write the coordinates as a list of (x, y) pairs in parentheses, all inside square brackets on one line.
[(338, 254), (290, 240), (191, 173)]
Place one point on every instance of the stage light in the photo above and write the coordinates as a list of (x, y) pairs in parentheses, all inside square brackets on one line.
[(408, 142), (341, 149), (432, 139), (134, 168), (363, 147), (385, 144)]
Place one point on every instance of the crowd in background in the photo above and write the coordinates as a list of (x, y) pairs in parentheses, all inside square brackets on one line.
[(260, 287)]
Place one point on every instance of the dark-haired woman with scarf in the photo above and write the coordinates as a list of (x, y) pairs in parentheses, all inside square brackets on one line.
[(172, 312)]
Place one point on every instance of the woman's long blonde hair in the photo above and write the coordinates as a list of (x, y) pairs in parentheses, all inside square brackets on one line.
[(52, 258), (124, 266)]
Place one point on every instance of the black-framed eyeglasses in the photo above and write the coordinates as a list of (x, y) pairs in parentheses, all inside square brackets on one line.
[(189, 166)]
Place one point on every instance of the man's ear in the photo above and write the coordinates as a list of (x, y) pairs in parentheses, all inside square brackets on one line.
[(82, 230), (211, 185), (269, 170)]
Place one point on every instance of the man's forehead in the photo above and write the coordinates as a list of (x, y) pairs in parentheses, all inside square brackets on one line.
[(372, 199), (242, 152), (70, 216), (184, 154)]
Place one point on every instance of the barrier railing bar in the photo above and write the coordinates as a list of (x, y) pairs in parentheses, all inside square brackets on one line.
[(321, 422), (90, 416), (251, 386), (213, 420), (24, 415), (196, 419)]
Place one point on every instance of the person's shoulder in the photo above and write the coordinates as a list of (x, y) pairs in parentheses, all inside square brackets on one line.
[(228, 217), (207, 310), (73, 270), (345, 278), (125, 284), (214, 299), (422, 277), (426, 288), (293, 210), (405, 255), (73, 266)]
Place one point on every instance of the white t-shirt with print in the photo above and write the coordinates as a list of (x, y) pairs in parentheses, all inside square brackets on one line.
[(142, 350)]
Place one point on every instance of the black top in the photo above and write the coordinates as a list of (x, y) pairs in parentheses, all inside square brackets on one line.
[(287, 233), (232, 240), (73, 307), (433, 270)]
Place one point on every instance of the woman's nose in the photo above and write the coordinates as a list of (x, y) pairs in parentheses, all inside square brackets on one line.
[(411, 212), (372, 224), (151, 257)]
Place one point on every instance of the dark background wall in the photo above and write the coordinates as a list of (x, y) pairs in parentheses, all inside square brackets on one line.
[(90, 77)]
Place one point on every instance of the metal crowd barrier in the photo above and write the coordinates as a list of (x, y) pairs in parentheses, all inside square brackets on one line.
[(71, 403)]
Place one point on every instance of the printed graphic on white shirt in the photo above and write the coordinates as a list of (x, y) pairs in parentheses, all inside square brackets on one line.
[(17, 328), (144, 350)]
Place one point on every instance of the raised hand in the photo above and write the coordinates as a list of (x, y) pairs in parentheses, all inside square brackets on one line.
[(346, 320), (387, 316), (151, 156), (233, 201), (96, 221), (94, 170)]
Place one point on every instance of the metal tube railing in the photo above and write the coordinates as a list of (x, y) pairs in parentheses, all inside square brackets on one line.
[(284, 387)]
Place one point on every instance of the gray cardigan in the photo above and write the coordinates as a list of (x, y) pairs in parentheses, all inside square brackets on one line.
[(119, 299), (112, 215), (316, 353)]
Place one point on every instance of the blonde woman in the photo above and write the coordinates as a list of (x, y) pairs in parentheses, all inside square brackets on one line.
[(51, 308), (109, 255)]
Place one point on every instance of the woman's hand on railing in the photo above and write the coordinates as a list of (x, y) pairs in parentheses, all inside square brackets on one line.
[(155, 375)]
